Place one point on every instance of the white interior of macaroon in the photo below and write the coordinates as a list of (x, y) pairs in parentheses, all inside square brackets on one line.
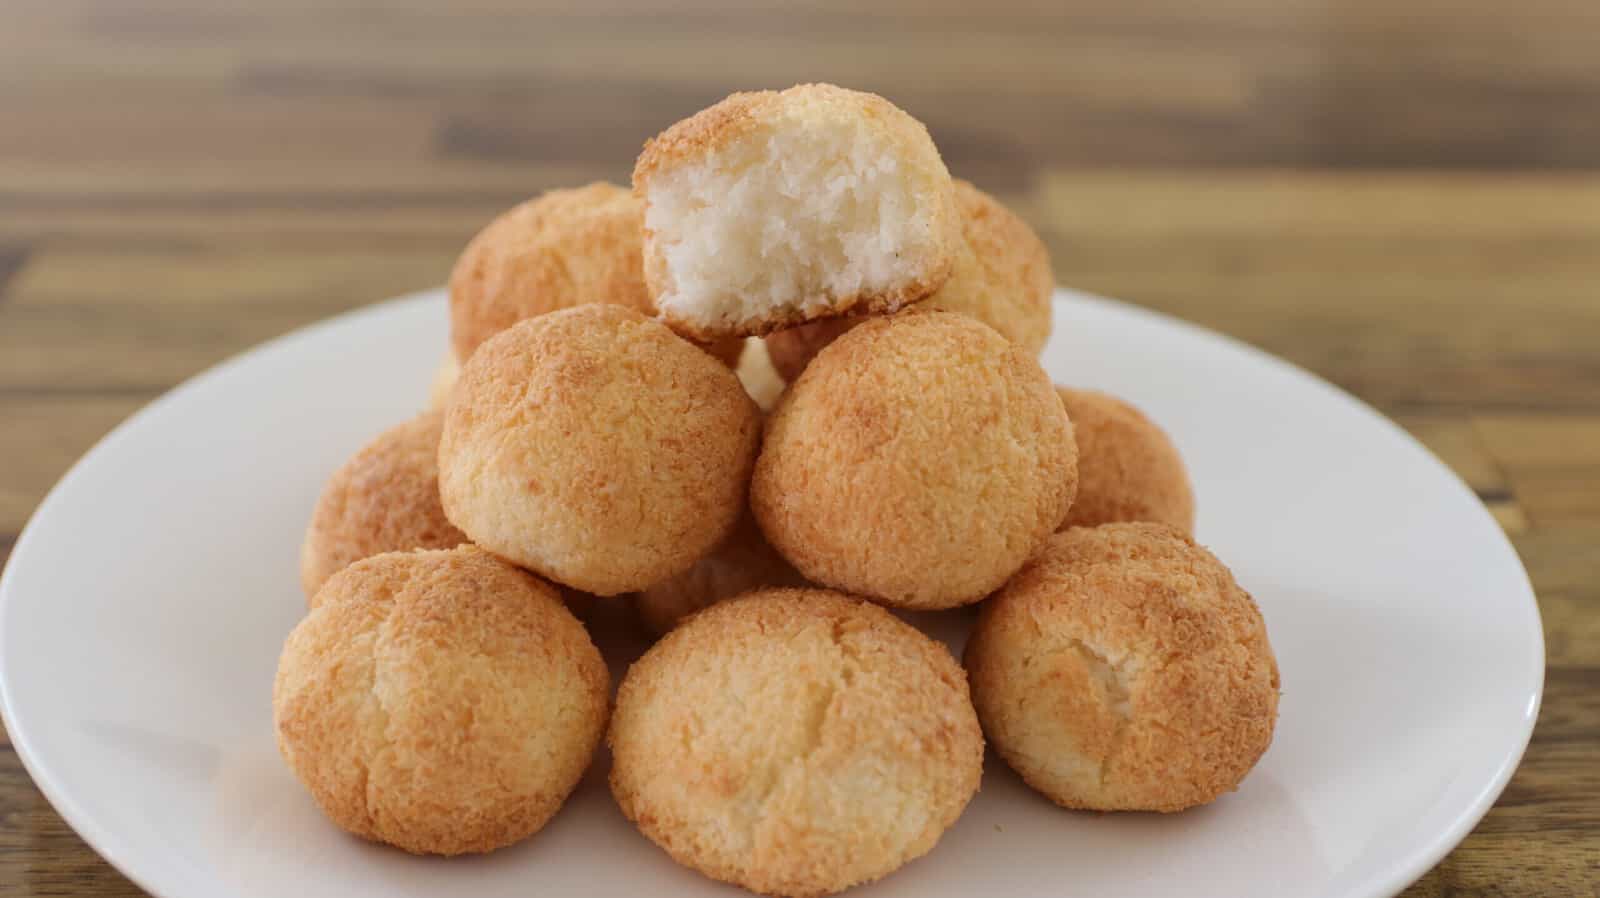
[(791, 218)]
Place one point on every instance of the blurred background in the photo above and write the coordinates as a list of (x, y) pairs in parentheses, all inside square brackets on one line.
[(1400, 195)]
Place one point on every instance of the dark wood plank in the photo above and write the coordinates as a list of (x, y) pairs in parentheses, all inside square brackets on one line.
[(12, 258)]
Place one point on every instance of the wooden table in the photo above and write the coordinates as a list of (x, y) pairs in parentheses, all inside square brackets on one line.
[(1400, 196)]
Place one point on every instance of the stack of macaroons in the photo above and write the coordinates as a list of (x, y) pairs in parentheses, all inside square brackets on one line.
[(890, 440)]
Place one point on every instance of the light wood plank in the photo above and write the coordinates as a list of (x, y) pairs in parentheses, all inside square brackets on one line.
[(1552, 461), (209, 127), (1458, 444)]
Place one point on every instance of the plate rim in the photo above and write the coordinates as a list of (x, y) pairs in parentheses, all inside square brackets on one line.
[(1382, 883)]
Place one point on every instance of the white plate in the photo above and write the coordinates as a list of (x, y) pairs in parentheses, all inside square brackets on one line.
[(144, 606)]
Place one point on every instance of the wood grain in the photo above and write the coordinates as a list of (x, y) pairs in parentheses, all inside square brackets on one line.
[(1403, 197)]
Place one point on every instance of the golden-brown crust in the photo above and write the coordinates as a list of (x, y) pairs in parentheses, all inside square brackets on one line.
[(728, 119), (384, 499), (1013, 287), (1001, 276), (1128, 469), (1124, 669), (794, 742), (919, 461), (561, 249), (741, 114), (441, 701), (743, 562), (596, 448)]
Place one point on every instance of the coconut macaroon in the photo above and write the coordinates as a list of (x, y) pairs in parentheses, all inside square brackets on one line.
[(794, 742), (1128, 469), (1124, 670), (384, 499), (773, 208), (919, 460), (595, 447), (443, 702), (743, 562), (561, 249), (1002, 277)]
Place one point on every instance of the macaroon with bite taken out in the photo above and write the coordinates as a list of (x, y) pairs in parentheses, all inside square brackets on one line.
[(771, 209)]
